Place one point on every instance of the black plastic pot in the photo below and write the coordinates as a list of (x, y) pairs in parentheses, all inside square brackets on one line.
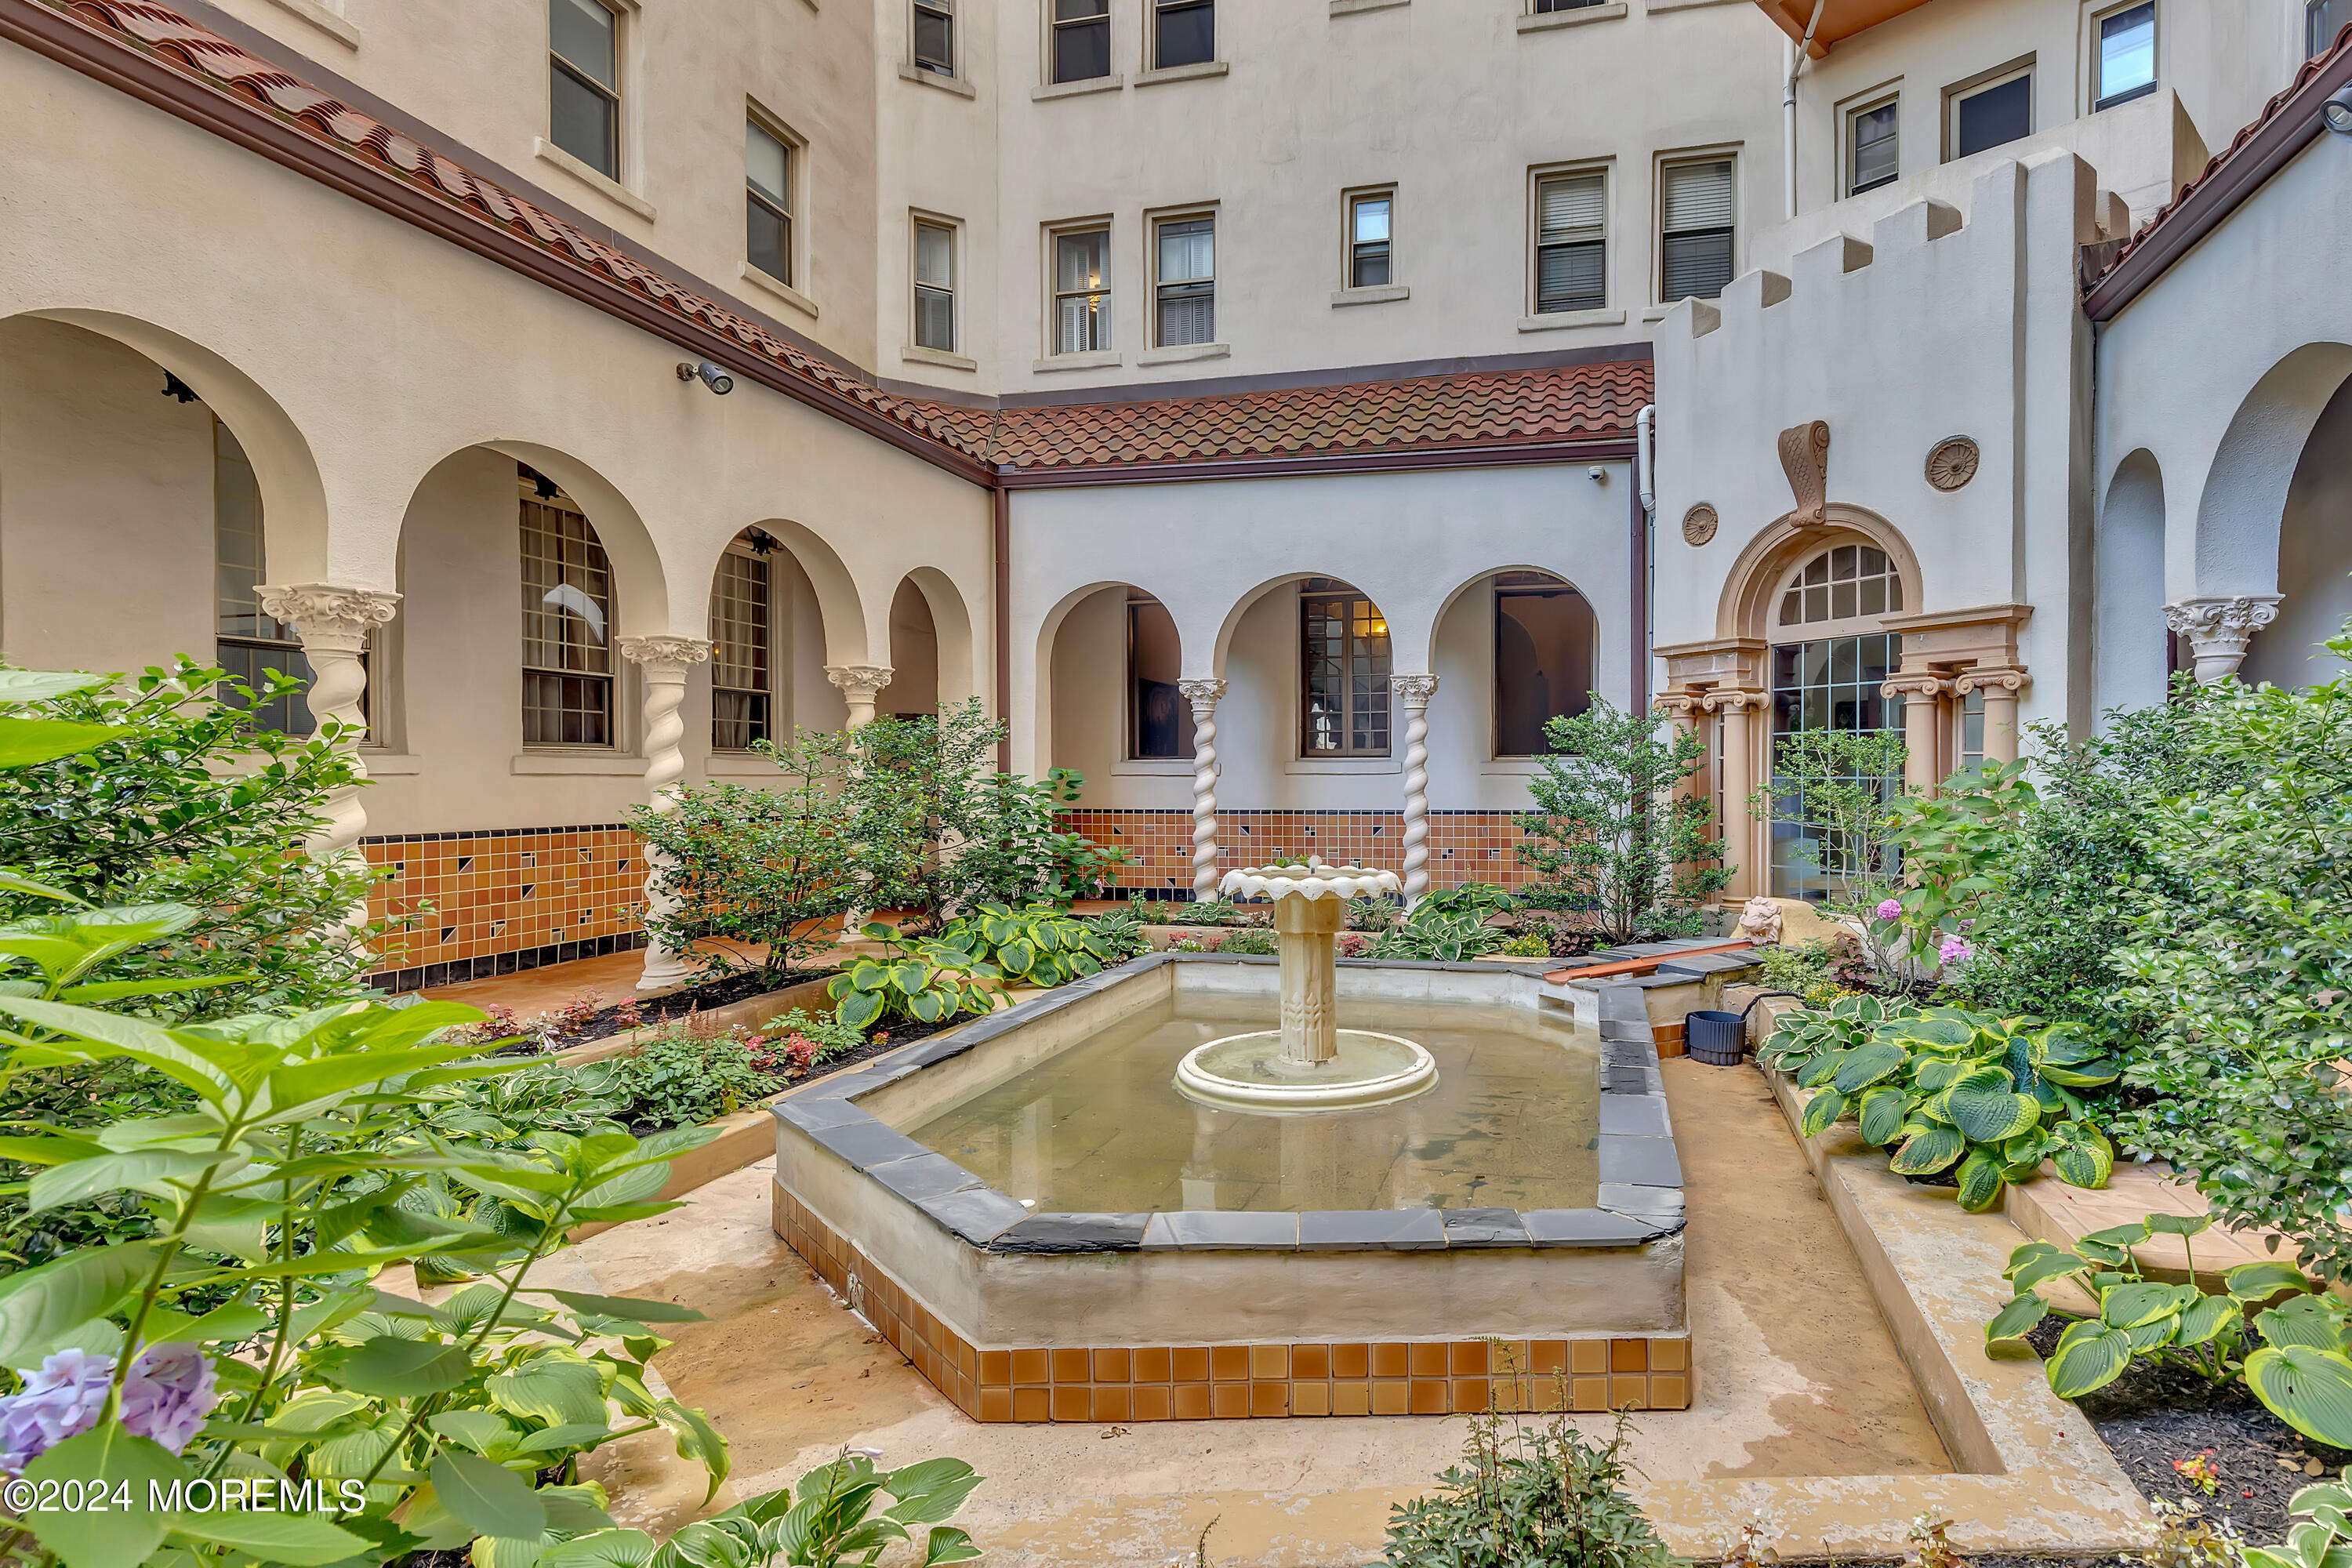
[(1720, 1039)]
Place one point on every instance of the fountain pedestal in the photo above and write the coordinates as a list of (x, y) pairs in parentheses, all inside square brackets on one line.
[(1307, 931)]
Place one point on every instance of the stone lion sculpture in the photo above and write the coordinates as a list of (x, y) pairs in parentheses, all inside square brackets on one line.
[(1759, 923)]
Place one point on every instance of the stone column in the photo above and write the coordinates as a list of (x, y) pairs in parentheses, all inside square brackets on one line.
[(333, 623), (1307, 931), (1204, 695), (1923, 717), (1414, 691), (2217, 630), (663, 662), (860, 684), (2000, 687), (1681, 708), (1739, 830)]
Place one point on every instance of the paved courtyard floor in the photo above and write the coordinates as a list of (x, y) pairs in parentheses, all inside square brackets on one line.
[(1797, 1376)]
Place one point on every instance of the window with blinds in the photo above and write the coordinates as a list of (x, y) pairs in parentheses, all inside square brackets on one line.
[(1368, 240), (1081, 39), (935, 287), (935, 35), (1991, 113), (1696, 224), (250, 643), (740, 686), (768, 196), (1344, 672), (1082, 291), (1572, 243), (567, 618), (584, 82), (1873, 148), (1186, 281)]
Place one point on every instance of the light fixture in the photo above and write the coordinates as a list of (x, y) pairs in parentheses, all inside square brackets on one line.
[(761, 541), (174, 388), (1597, 475), (709, 374), (2337, 111)]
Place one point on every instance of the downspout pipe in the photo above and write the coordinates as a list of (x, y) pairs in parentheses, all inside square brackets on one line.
[(1645, 490), (1796, 55), (1000, 547)]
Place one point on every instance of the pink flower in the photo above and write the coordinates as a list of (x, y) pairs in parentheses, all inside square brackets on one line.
[(1956, 951), (1892, 910)]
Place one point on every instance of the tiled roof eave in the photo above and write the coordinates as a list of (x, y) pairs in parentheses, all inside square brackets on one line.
[(1586, 445)]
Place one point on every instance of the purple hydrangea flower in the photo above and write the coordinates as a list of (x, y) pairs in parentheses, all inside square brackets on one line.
[(169, 1393), (1956, 951), (60, 1401), (1892, 910)]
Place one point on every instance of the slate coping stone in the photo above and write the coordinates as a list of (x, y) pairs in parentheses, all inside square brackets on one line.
[(868, 1143), (978, 1215), (925, 1175), (1630, 1081), (1587, 1227), (1484, 1228), (1635, 1115), (809, 1113), (844, 1086), (1663, 1205), (1045, 1233), (1639, 1162), (1371, 1230), (1200, 1230)]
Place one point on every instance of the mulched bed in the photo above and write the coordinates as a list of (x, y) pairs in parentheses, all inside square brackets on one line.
[(711, 994)]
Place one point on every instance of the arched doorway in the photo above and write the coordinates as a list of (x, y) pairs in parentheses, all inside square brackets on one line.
[(2315, 557)]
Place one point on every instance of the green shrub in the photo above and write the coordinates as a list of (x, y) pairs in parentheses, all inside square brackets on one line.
[(1120, 932), (834, 1522), (1528, 944), (923, 980), (1209, 912), (801, 1034), (685, 1077), (1528, 1495), (1257, 941), (1804, 969), (2325, 1536), (1039, 945), (1435, 936)]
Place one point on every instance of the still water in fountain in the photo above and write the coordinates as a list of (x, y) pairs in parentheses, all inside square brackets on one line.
[(1099, 1127)]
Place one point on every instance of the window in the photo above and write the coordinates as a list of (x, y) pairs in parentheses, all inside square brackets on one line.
[(2126, 57), (1841, 584), (567, 617), (1873, 148), (1545, 7), (1187, 281), (1572, 243), (1081, 45), (740, 686), (1344, 672), (768, 200), (1081, 298), (584, 83), (250, 643), (1829, 683), (1183, 32), (935, 287), (2322, 20), (1159, 720), (1543, 659), (935, 35), (1971, 737), (1695, 230), (1992, 113), (1368, 240)]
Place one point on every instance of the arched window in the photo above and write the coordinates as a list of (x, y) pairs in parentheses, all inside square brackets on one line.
[(250, 643), (567, 622), (1830, 658), (1544, 636), (1343, 705), (742, 619)]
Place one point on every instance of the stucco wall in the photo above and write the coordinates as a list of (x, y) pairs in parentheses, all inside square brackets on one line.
[(2315, 557)]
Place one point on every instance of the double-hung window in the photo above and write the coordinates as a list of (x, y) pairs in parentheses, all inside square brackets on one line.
[(2127, 57), (1873, 148), (1183, 32), (1081, 45), (935, 35), (741, 688), (584, 82), (567, 618), (250, 643), (768, 200), (1082, 291), (1369, 261), (1990, 113), (1186, 281), (1572, 242), (1696, 229), (934, 284), (1344, 672)]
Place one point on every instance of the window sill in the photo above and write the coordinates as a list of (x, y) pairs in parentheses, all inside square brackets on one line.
[(579, 762), (1576, 18), (1660, 312), (326, 21), (1193, 72), (1350, 7), (956, 85), (1078, 88), (914, 354), (1183, 353), (596, 180), (780, 289), (1342, 766), (1155, 767), (390, 764), (1379, 296), (1094, 359), (1557, 321)]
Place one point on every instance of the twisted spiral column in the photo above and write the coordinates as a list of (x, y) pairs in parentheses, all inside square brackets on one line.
[(334, 624), (664, 661), (1204, 696), (1414, 691)]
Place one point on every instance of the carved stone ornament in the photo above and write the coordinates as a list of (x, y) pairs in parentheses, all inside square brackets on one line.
[(1952, 462), (1759, 921), (1805, 456), (1413, 690), (1201, 693), (327, 617), (2218, 629), (1699, 524), (857, 678), (662, 648)]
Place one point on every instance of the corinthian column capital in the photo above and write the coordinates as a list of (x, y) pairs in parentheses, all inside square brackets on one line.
[(1201, 693), (329, 617), (1413, 690), (662, 649), (2218, 629)]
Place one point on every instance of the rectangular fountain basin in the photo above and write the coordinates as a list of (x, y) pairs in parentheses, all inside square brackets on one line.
[(1515, 1235)]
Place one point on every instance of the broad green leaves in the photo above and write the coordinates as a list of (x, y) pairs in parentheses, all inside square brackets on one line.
[(2308, 1388), (39, 1306)]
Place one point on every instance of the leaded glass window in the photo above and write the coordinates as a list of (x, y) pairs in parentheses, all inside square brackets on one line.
[(567, 617), (1344, 664), (248, 643), (741, 688)]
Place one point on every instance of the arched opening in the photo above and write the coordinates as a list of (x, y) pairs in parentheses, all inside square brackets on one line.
[(2315, 557), (1115, 658), (1546, 656), (2130, 649), (569, 664), (2255, 465), (914, 689), (751, 605), (1344, 663)]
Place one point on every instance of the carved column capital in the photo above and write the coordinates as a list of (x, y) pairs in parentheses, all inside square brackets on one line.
[(1990, 681), (859, 682), (2218, 629), (1733, 701), (1923, 684), (327, 617), (1201, 692), (677, 654), (1413, 690), (1683, 707)]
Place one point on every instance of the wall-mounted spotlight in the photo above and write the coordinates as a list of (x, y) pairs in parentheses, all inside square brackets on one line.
[(709, 374), (2337, 111)]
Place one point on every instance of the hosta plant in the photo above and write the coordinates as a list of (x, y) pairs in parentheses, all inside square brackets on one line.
[(1039, 945), (2270, 1324), (2324, 1537), (1987, 1098), (926, 981)]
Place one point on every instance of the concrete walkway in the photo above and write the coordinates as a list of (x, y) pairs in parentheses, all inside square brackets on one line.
[(1797, 1376)]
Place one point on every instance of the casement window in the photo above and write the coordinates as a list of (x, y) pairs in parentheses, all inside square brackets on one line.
[(1343, 672), (2322, 20), (2125, 60), (567, 619), (1571, 234), (768, 200), (1369, 264), (1697, 210), (935, 35), (1082, 291), (583, 85), (741, 681), (1873, 148), (1990, 113), (248, 642), (1183, 32), (1160, 720), (1081, 41), (1545, 637), (1826, 683), (1184, 281), (935, 287)]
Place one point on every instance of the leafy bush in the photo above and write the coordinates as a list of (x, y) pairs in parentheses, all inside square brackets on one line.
[(805, 1039), (2324, 1536), (1993, 1097), (834, 1522), (685, 1077), (1481, 898), (1610, 828), (1022, 852), (2298, 1367), (1836, 785), (1120, 934), (1528, 944), (1373, 914), (926, 981), (1435, 936), (1528, 1495), (1039, 945), (1804, 969), (1257, 941), (1211, 912), (508, 1111)]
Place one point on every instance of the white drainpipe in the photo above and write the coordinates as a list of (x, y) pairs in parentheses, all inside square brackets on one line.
[(1645, 457), (1796, 55)]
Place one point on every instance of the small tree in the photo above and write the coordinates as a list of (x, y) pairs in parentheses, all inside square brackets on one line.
[(916, 789), (1023, 854), (1610, 832), (1834, 786)]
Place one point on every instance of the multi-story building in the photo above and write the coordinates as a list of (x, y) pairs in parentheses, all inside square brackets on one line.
[(1242, 398)]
